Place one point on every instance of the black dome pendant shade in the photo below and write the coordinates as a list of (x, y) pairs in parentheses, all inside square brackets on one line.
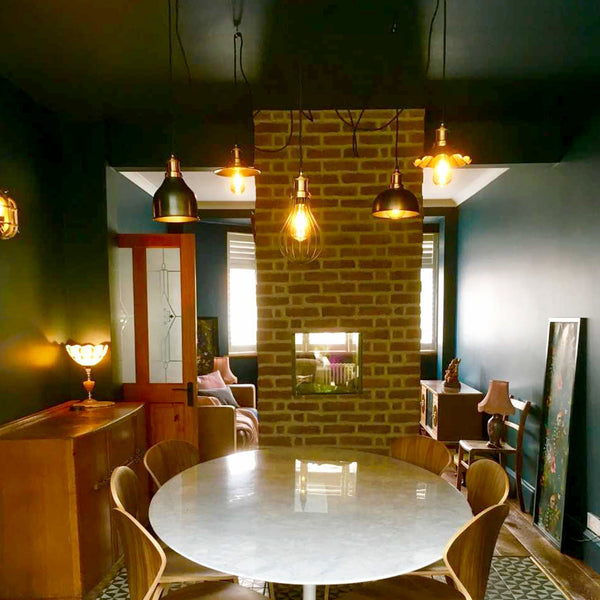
[(174, 201), (396, 202)]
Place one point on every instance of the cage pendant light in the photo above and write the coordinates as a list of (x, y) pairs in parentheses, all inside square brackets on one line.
[(174, 201), (9, 217), (396, 202), (442, 158), (300, 239), (237, 170)]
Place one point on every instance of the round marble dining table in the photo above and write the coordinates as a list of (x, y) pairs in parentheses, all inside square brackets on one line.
[(308, 516)]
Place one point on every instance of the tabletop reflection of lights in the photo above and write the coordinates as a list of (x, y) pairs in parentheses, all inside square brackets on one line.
[(421, 491), (241, 462), (315, 481)]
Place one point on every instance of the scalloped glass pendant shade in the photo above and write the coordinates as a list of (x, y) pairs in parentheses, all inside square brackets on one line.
[(9, 217), (442, 159)]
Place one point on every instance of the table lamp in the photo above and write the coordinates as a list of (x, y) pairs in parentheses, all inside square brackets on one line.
[(496, 403), (88, 356)]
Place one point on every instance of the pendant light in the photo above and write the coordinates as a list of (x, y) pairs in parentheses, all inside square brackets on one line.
[(237, 170), (300, 239), (174, 201), (442, 158), (9, 217), (396, 202)]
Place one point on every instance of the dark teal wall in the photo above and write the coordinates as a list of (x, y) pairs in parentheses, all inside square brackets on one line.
[(33, 368), (53, 275), (528, 250), (211, 282)]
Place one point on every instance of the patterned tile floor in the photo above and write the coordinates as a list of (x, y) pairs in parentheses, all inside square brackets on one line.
[(511, 578)]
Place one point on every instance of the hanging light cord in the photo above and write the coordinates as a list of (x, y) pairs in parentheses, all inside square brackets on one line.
[(179, 41), (171, 86), (444, 71), (396, 150), (300, 112), (435, 12)]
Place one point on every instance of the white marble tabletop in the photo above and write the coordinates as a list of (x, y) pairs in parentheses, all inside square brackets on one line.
[(308, 516)]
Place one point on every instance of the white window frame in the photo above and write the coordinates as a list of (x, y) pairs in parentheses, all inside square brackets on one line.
[(241, 254), (430, 260)]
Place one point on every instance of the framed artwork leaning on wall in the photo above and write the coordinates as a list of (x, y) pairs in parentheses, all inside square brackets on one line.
[(557, 401)]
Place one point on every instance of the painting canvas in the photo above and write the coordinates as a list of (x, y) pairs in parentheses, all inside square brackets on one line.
[(557, 402), (208, 344)]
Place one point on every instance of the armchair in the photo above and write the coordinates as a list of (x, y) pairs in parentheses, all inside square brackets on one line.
[(223, 428)]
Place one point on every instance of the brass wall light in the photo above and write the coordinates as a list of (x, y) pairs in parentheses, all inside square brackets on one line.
[(174, 201), (396, 202), (9, 217), (442, 158), (300, 239), (236, 169)]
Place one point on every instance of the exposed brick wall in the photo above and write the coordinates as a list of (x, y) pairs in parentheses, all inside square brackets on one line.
[(367, 279)]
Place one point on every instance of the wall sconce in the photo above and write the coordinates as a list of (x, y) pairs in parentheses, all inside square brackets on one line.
[(9, 217)]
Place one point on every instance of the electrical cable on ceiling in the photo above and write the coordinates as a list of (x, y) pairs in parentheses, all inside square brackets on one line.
[(435, 12), (185, 60)]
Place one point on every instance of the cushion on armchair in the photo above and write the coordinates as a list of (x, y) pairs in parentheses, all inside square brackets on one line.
[(223, 394), (211, 381)]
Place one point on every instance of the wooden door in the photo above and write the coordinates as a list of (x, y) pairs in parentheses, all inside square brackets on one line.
[(164, 324)]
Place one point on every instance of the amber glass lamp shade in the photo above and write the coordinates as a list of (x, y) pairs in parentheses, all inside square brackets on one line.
[(237, 171), (442, 159), (9, 217), (300, 237), (396, 202), (88, 356), (174, 201)]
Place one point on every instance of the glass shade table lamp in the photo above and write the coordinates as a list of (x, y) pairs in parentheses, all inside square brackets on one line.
[(496, 403), (88, 356)]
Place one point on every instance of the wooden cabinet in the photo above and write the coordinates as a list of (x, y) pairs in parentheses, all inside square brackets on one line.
[(56, 534), (450, 416)]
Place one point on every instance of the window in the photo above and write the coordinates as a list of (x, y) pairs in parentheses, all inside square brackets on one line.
[(429, 293), (241, 293)]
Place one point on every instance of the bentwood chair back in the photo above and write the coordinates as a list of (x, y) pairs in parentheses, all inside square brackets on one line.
[(144, 558), (469, 553), (487, 484), (169, 458), (422, 451), (125, 491)]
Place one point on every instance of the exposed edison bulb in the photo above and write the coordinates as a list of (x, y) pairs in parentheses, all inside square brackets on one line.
[(237, 184), (299, 222), (442, 172)]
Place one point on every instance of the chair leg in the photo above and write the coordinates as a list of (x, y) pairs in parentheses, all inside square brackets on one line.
[(459, 468), (271, 590), (519, 485), (326, 593)]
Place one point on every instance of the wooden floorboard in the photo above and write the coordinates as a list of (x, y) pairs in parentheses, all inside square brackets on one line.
[(519, 537)]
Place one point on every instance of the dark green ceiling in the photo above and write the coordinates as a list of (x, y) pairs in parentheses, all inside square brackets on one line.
[(109, 57)]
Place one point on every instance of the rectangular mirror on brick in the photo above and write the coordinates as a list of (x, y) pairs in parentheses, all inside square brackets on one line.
[(326, 363)]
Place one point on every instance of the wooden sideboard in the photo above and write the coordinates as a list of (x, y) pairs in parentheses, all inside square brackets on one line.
[(450, 416), (57, 540)]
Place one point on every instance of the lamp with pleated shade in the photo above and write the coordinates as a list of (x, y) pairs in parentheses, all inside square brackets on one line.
[(496, 403)]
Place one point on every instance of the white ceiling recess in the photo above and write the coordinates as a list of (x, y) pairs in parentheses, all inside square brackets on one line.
[(212, 191)]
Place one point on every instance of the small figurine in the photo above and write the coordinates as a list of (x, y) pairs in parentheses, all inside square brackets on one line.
[(451, 382)]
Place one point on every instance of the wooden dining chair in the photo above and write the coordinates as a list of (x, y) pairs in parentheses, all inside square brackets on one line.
[(487, 485), (422, 451), (474, 449), (146, 562), (169, 458), (468, 557), (126, 496)]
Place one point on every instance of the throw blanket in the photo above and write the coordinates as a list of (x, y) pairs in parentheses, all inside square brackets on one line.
[(246, 425)]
